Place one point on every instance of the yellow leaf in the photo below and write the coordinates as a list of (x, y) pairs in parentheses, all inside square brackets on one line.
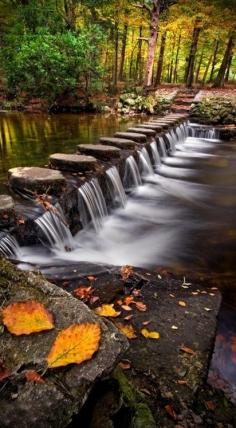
[(127, 330), (150, 334), (74, 344), (27, 317), (183, 304), (107, 311)]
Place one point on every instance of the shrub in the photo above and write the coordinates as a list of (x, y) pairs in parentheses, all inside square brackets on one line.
[(217, 110)]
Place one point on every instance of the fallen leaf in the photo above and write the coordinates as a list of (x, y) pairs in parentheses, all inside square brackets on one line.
[(141, 306), (182, 382), (33, 376), (21, 221), (170, 411), (27, 317), (146, 322), (150, 334), (128, 318), (181, 303), (172, 295), (212, 294), (136, 292), (187, 350), (208, 309), (126, 272), (128, 300), (195, 293), (91, 278), (126, 308), (209, 405), (84, 293), (4, 372), (107, 311), (74, 344), (125, 364), (93, 299), (127, 330), (174, 327)]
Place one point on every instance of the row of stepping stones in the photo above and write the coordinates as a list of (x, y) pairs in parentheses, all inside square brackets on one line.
[(52, 181)]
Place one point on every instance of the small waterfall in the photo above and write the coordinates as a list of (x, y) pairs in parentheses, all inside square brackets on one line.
[(92, 205), (54, 227), (132, 176), (116, 187), (155, 154), (162, 147), (145, 162), (202, 132), (8, 245)]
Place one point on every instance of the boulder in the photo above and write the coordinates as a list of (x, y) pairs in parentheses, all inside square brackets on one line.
[(63, 390), (38, 180), (100, 151), (76, 163)]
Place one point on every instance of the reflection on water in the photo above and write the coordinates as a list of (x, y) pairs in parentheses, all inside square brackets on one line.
[(28, 139)]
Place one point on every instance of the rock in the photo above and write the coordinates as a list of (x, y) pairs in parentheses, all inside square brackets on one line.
[(77, 163), (38, 180), (100, 151), (163, 124), (139, 138), (146, 125), (7, 211), (121, 143), (50, 404), (148, 132)]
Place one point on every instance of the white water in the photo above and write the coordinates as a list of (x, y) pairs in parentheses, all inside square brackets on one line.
[(132, 177), (92, 205), (9, 246), (116, 187), (145, 162)]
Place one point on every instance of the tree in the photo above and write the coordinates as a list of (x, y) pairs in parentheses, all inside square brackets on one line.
[(220, 78)]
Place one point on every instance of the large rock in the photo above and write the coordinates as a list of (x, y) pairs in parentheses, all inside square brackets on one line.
[(121, 143), (148, 132), (100, 151), (152, 126), (28, 404), (7, 211), (35, 179), (139, 138), (77, 163)]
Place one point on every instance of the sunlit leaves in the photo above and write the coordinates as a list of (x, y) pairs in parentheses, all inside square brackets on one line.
[(150, 334), (107, 311), (127, 330)]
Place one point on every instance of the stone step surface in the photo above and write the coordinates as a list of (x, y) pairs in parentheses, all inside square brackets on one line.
[(145, 131), (73, 162), (99, 151), (121, 143), (139, 138), (146, 125), (38, 180)]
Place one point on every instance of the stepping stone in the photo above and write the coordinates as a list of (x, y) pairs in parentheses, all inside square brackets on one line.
[(145, 131), (7, 211), (151, 126), (73, 162), (99, 151), (63, 390), (159, 123), (139, 138), (121, 143), (38, 180)]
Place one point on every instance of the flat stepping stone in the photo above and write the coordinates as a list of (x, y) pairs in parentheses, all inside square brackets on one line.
[(100, 151), (38, 180), (163, 124), (73, 162), (135, 136), (121, 143), (147, 126), (145, 131), (7, 211)]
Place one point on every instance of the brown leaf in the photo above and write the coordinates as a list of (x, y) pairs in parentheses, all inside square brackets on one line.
[(33, 376), (21, 221), (84, 293), (209, 405), (170, 411), (182, 382), (187, 350), (126, 271), (128, 300), (128, 318), (141, 306), (91, 278), (125, 364)]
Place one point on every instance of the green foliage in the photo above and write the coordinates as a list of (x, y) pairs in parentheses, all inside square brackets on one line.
[(218, 110), (47, 65), (136, 103)]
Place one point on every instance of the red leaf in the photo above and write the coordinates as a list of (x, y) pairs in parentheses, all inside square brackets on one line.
[(4, 372), (33, 376), (170, 411)]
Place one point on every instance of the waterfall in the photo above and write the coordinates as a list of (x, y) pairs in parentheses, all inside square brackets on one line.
[(132, 176), (8, 245), (162, 147), (155, 154), (54, 227), (116, 187), (92, 205), (200, 131), (145, 162)]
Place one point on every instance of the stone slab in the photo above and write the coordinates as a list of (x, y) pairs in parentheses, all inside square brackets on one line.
[(100, 151), (73, 162), (28, 404), (139, 138), (146, 125), (161, 123), (121, 143), (148, 132), (35, 179)]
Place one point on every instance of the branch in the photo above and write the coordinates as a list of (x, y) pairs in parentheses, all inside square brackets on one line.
[(144, 7)]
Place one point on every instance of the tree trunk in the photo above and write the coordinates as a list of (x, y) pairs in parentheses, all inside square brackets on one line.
[(220, 78), (214, 61), (115, 67), (192, 54), (177, 60), (206, 70), (172, 61), (228, 68), (123, 51), (199, 65), (152, 42), (132, 56), (139, 55), (161, 59)]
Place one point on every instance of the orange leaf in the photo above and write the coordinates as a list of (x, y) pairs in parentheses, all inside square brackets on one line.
[(141, 306), (128, 300), (210, 405), (84, 293), (182, 382), (187, 350), (4, 372), (181, 303), (127, 330), (170, 411), (126, 272), (91, 278), (33, 376), (107, 311), (27, 317), (74, 344), (150, 334)]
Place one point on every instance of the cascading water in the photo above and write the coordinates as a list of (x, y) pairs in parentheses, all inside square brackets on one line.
[(92, 204), (155, 154), (54, 227), (116, 187), (145, 162), (162, 147), (8, 245), (200, 131), (132, 177)]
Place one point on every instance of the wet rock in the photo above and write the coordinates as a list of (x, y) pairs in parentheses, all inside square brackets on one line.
[(35, 179), (139, 138), (7, 211), (152, 126), (50, 404), (145, 131), (100, 151), (121, 143), (76, 163)]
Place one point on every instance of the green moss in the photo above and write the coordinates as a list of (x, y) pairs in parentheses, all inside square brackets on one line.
[(217, 110)]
